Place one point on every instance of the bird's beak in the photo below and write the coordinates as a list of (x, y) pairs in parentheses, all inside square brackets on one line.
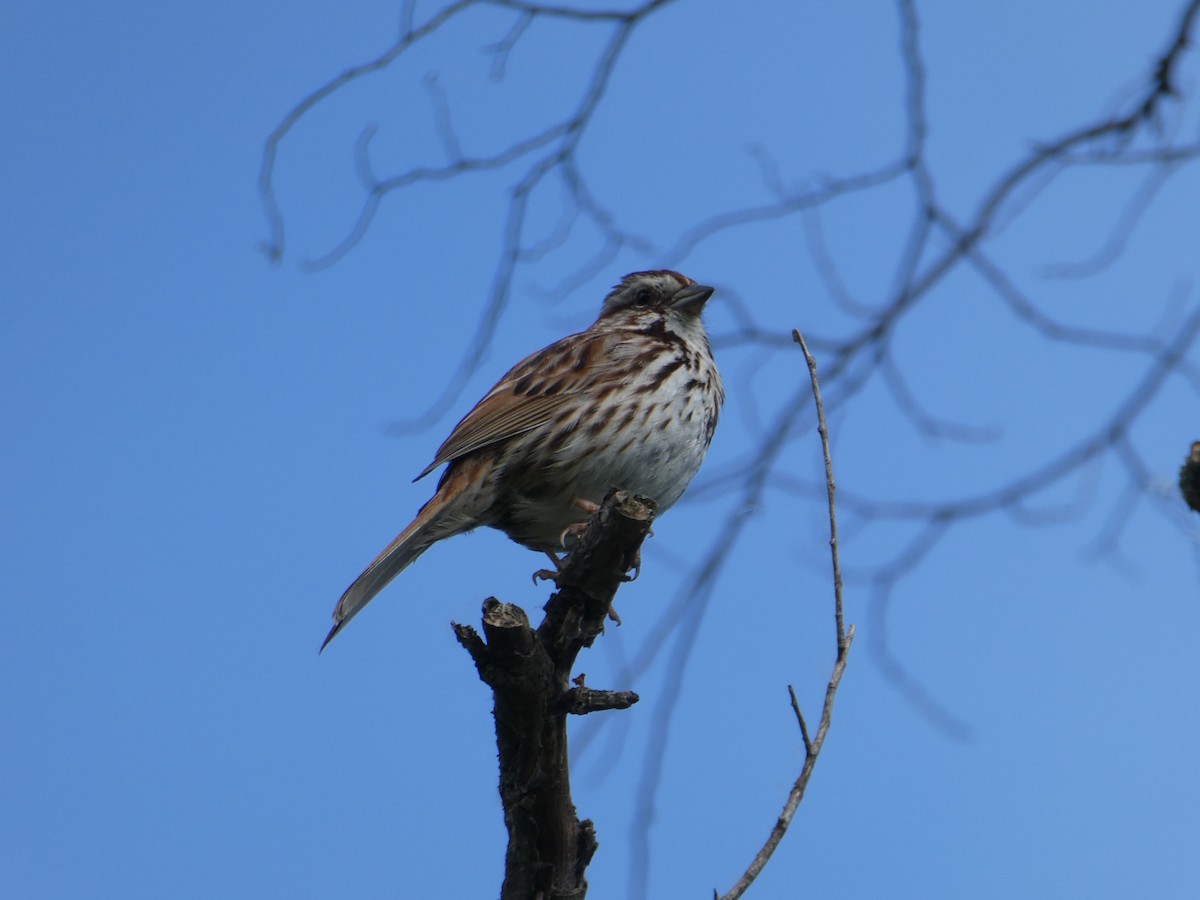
[(692, 298)]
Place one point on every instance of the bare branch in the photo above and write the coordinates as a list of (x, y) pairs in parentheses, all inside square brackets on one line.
[(1122, 229), (812, 746), (528, 670), (274, 245), (936, 243)]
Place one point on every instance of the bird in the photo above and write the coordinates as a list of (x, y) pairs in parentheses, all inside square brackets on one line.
[(630, 403)]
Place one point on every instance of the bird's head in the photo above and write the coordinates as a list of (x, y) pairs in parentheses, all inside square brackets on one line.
[(660, 291)]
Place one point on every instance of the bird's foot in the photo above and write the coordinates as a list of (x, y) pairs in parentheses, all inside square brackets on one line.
[(635, 567), (575, 529), (549, 574), (572, 532)]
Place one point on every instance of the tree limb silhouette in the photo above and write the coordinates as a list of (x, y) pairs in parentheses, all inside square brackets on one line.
[(529, 673)]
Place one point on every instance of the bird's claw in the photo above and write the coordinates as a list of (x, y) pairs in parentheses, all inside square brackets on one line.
[(572, 531), (549, 574), (635, 566), (546, 575)]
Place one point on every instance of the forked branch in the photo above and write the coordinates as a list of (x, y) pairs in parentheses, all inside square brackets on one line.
[(529, 672), (812, 744)]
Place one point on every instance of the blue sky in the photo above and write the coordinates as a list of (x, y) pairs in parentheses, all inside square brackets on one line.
[(200, 454)]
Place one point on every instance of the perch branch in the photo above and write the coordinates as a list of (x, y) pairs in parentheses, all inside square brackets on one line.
[(529, 672)]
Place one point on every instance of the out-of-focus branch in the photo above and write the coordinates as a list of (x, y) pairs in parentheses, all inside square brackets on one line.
[(938, 242), (274, 245), (550, 151)]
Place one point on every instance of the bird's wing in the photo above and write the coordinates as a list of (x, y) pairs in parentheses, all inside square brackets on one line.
[(528, 396)]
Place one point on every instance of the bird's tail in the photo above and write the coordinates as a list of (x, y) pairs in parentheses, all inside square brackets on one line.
[(442, 517)]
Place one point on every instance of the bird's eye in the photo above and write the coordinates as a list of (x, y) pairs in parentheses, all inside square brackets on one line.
[(643, 297)]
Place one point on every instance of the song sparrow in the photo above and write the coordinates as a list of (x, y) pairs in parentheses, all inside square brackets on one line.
[(630, 403)]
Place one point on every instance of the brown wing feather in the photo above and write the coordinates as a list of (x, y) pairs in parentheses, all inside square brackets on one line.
[(525, 398)]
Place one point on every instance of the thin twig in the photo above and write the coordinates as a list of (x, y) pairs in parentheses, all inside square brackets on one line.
[(800, 720), (812, 747), (831, 486)]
